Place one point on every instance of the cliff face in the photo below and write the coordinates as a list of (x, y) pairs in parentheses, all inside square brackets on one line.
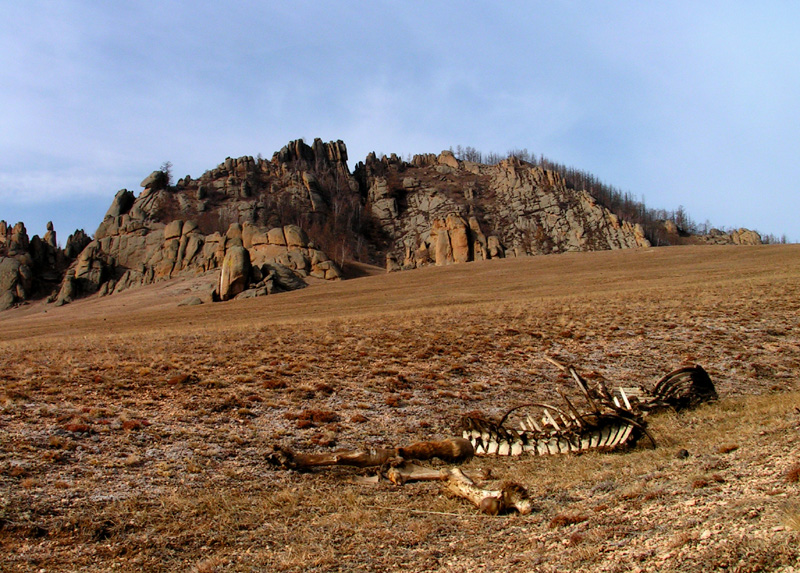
[(268, 225), (231, 218), (439, 210), (297, 183)]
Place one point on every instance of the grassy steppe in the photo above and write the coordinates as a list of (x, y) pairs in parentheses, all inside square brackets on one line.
[(133, 431)]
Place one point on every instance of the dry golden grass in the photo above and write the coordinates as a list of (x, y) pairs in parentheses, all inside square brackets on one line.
[(134, 431)]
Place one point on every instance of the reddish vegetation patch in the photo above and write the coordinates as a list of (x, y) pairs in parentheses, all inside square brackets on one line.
[(134, 424), (273, 384), (393, 401), (312, 418), (77, 428), (182, 379), (564, 519)]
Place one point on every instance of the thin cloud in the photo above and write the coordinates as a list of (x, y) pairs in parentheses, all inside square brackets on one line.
[(43, 187), (691, 104)]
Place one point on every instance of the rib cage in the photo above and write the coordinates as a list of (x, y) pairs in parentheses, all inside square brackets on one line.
[(487, 437), (684, 388), (611, 421)]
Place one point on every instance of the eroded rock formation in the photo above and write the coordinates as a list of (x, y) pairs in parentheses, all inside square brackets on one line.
[(288, 216), (30, 267), (439, 210), (735, 237), (227, 221)]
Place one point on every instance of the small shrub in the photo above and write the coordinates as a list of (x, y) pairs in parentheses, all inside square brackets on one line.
[(134, 424), (564, 519), (311, 418), (631, 493), (28, 483), (399, 383), (656, 494), (53, 457), (322, 388), (18, 471), (77, 428), (576, 539), (61, 442)]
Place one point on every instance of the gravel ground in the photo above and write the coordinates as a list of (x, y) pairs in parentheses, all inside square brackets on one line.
[(142, 447)]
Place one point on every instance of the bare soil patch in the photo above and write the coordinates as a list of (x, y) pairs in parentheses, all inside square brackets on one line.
[(133, 432)]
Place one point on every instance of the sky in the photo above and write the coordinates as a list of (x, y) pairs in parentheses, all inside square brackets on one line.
[(693, 104)]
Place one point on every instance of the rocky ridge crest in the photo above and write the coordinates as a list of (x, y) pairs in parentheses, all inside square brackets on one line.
[(223, 220), (264, 226)]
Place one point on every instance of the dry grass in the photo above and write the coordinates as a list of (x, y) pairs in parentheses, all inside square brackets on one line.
[(134, 432)]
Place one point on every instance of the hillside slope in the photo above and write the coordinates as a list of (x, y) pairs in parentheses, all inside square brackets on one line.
[(135, 432)]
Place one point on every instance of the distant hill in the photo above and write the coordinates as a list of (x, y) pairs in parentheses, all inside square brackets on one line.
[(271, 225)]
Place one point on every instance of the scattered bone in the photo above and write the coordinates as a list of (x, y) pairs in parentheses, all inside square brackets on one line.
[(510, 496), (609, 422), (454, 451), (409, 472)]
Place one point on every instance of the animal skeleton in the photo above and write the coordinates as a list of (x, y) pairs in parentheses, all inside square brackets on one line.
[(611, 421)]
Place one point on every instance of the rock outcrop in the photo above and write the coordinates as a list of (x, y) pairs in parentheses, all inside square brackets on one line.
[(735, 237), (234, 277), (130, 253), (231, 214), (230, 220), (672, 234), (29, 267), (15, 281), (266, 226), (439, 210)]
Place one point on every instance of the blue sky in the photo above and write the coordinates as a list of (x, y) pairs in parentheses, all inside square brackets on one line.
[(681, 103)]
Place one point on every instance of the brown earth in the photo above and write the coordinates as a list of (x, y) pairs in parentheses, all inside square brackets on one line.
[(133, 432)]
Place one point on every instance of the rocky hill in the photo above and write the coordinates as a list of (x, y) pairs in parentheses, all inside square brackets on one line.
[(261, 226), (439, 210)]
